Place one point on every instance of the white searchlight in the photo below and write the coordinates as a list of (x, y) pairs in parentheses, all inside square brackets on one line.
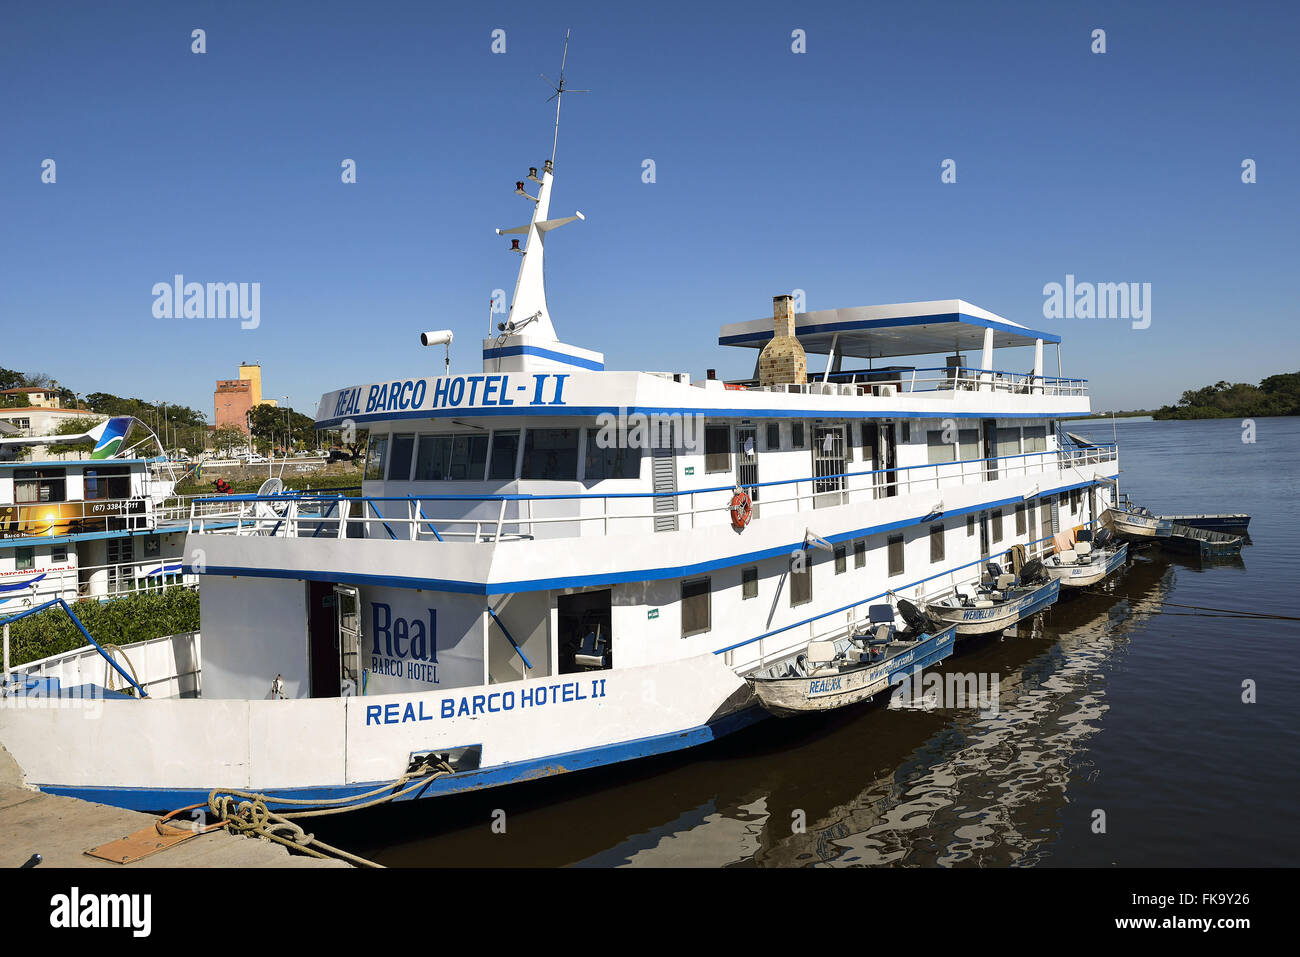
[(439, 337)]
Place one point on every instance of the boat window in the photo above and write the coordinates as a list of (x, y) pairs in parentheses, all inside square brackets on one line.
[(859, 554), (907, 432), (550, 454), (468, 456), (1020, 520), (774, 436), (968, 442), (895, 555), (717, 448), (695, 607), (40, 485), (58, 554), (376, 458), (611, 462), (997, 525), (152, 544), (433, 458), (1035, 438), (801, 579), (937, 449), (797, 435), (1008, 442), (505, 448), (24, 559), (399, 464), (936, 543), (749, 582), (104, 483), (841, 559), (970, 526)]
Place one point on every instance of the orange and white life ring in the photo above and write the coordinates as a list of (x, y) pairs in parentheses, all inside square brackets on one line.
[(742, 509)]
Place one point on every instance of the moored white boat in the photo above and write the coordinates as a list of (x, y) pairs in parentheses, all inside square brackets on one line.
[(834, 674), (1087, 563), (998, 605), (553, 566)]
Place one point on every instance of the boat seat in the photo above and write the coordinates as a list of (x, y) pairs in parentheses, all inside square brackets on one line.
[(1067, 557), (1083, 549), (591, 651), (1006, 581), (820, 653), (983, 603)]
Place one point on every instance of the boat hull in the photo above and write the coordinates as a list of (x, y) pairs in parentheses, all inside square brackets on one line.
[(1132, 525), (971, 622), (1238, 523), (1081, 576), (158, 755), (786, 697)]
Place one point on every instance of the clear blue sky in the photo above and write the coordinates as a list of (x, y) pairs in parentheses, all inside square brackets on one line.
[(775, 171)]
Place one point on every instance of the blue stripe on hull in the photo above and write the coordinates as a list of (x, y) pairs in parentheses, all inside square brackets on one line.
[(167, 799)]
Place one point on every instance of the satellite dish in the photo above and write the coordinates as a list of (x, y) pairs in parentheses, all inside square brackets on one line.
[(272, 486)]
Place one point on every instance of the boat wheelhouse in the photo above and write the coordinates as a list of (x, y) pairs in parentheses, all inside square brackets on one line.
[(553, 565)]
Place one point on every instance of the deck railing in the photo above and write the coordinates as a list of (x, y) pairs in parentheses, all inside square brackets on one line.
[(899, 379), (512, 516)]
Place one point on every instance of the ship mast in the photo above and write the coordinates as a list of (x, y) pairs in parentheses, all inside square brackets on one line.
[(528, 312)]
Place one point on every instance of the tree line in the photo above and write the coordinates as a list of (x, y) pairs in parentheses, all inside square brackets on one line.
[(1275, 395)]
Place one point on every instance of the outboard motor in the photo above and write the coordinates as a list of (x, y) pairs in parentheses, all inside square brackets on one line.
[(1032, 571), (918, 622)]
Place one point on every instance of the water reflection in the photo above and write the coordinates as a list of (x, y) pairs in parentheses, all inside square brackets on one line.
[(984, 789)]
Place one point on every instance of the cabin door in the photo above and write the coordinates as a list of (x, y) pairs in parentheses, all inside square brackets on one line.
[(322, 638), (347, 604), (887, 448), (828, 466), (747, 461), (990, 450)]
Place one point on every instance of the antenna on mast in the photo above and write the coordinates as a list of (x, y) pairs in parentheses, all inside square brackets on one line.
[(558, 96)]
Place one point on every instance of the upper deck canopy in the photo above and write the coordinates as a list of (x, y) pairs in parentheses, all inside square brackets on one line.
[(899, 329)]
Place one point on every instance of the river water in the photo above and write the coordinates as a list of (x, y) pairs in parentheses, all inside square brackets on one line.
[(1120, 735)]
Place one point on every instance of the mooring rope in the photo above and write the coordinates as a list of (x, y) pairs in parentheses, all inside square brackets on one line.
[(252, 817)]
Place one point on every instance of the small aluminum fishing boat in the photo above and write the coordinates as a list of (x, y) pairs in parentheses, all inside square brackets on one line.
[(1207, 544), (1137, 522), (1088, 562), (999, 602), (1234, 522), (833, 674)]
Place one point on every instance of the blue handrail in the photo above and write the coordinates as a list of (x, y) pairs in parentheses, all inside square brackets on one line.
[(81, 628), (505, 631)]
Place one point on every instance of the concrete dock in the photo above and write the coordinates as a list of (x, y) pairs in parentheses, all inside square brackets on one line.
[(61, 829)]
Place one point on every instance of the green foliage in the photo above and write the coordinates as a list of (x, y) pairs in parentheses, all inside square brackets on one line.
[(120, 621), (270, 423), (1276, 395), (76, 427)]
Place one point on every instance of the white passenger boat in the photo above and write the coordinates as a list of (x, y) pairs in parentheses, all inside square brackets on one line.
[(553, 565), (857, 667), (96, 527)]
